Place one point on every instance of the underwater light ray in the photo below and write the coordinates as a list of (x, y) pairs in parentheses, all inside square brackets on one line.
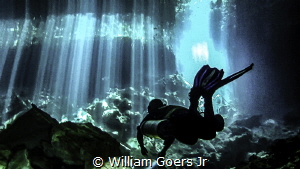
[(100, 76), (195, 46), (63, 48), (152, 51), (7, 33), (17, 57), (82, 53), (44, 72)]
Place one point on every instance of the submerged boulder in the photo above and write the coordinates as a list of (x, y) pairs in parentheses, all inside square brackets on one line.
[(36, 140), (28, 129), (78, 143), (282, 153)]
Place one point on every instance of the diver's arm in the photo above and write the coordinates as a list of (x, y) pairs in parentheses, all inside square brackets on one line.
[(167, 143), (139, 136), (140, 139)]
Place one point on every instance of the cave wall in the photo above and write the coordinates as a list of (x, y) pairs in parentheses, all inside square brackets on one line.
[(267, 34)]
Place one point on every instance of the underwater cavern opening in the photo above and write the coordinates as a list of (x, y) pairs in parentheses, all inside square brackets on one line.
[(103, 61)]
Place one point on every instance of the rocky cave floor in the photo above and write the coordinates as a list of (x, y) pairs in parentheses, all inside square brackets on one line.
[(32, 138)]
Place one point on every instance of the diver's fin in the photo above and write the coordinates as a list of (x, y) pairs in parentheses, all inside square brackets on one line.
[(230, 78), (207, 77), (200, 75)]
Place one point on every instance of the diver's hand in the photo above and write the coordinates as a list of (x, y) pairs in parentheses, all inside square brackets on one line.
[(144, 150)]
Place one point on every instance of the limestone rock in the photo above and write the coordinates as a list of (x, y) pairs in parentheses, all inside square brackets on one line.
[(79, 143), (20, 161), (283, 153), (34, 140), (28, 129)]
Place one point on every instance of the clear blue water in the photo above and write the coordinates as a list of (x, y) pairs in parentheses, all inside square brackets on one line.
[(78, 54)]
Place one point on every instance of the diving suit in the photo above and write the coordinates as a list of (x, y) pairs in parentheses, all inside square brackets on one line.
[(170, 122)]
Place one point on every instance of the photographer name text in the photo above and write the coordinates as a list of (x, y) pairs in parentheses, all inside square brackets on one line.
[(129, 161)]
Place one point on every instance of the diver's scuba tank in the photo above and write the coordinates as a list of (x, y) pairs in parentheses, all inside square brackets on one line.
[(164, 127), (156, 128)]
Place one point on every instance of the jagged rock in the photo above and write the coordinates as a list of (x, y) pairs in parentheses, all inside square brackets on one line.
[(283, 153), (82, 117), (17, 105), (36, 140), (28, 129), (20, 161), (112, 117), (237, 130), (96, 109), (5, 154), (76, 144), (236, 149), (174, 88), (38, 159), (123, 104), (253, 121)]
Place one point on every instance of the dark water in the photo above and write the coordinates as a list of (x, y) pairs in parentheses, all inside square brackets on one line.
[(73, 57), (76, 51)]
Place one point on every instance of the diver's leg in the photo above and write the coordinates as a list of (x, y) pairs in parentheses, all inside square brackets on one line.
[(210, 89), (194, 97), (205, 77), (195, 92), (184, 123), (208, 106), (207, 125)]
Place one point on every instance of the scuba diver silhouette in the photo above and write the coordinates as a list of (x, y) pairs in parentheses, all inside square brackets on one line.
[(170, 122)]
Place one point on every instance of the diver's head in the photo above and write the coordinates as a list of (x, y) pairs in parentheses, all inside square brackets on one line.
[(154, 105)]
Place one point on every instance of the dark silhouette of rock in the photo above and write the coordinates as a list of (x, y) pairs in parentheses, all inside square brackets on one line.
[(75, 143), (253, 121), (28, 129), (282, 153), (36, 140)]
